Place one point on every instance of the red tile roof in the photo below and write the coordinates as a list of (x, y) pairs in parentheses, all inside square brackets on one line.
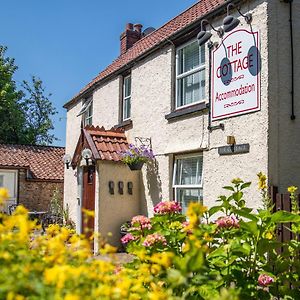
[(44, 162), (188, 17), (104, 144)]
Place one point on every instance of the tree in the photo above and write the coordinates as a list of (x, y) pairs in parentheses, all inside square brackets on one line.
[(11, 115), (38, 110), (25, 115)]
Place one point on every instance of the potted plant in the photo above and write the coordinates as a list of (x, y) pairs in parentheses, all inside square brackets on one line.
[(135, 157)]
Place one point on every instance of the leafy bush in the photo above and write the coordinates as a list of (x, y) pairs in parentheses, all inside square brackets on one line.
[(226, 252)]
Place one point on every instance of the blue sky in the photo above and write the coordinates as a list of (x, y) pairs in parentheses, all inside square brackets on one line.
[(68, 42)]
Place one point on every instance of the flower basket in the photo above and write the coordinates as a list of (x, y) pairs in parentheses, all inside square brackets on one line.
[(135, 157), (136, 165)]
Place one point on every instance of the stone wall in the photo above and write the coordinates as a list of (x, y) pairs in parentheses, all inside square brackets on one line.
[(36, 195)]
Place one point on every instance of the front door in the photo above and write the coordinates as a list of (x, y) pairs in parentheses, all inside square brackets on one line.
[(88, 200)]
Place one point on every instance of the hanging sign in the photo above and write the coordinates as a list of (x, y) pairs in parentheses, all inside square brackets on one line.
[(236, 65)]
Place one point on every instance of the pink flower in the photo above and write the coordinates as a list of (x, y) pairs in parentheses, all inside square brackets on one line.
[(228, 222), (142, 221), (154, 238), (167, 207), (128, 238), (265, 280)]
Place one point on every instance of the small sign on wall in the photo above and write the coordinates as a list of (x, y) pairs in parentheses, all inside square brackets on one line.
[(236, 65)]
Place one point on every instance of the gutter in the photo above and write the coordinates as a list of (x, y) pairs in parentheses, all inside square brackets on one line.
[(219, 10)]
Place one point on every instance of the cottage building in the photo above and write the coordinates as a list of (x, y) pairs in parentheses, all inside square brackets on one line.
[(31, 174), (228, 108)]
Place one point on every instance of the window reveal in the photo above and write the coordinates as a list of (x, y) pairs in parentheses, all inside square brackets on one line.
[(126, 98)]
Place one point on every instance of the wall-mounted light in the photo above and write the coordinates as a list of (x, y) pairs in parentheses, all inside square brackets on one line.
[(111, 187), (203, 36), (86, 154), (230, 140), (130, 187), (121, 187), (67, 159), (230, 22)]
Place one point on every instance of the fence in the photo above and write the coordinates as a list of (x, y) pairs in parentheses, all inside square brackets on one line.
[(282, 202)]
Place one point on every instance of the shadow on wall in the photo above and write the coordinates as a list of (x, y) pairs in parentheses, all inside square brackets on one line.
[(154, 183)]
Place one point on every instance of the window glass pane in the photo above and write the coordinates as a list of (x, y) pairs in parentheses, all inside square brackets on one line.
[(191, 88), (1, 180), (188, 58), (186, 196), (127, 108), (88, 115), (189, 171), (127, 87)]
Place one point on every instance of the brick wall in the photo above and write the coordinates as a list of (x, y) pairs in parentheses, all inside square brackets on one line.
[(36, 195)]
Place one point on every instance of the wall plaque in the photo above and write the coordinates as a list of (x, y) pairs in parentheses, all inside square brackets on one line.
[(234, 149)]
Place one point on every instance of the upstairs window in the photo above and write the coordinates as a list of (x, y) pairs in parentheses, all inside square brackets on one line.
[(87, 112), (190, 74), (126, 98), (187, 179)]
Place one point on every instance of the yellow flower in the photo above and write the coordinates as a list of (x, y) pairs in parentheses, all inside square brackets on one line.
[(71, 297), (262, 179), (4, 195), (236, 181), (88, 213), (292, 189), (269, 235)]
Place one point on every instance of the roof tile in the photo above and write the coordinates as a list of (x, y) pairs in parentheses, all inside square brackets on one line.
[(163, 33), (44, 162)]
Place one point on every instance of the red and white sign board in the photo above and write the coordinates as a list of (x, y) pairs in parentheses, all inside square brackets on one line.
[(236, 66)]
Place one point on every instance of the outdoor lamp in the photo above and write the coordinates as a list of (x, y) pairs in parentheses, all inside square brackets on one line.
[(230, 22), (67, 159), (86, 154), (203, 36)]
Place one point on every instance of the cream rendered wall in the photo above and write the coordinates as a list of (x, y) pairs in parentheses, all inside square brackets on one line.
[(284, 132), (151, 101), (116, 209), (70, 178), (106, 104), (152, 93)]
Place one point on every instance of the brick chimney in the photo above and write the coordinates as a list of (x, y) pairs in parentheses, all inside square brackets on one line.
[(130, 36)]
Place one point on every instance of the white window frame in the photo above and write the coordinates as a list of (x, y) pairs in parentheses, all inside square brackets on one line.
[(87, 117), (191, 72), (124, 98), (186, 186), (12, 198)]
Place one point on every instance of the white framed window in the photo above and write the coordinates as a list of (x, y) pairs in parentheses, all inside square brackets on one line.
[(126, 101), (9, 180), (86, 112), (188, 179), (88, 115), (190, 74)]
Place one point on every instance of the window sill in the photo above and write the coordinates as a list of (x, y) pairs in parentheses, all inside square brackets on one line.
[(125, 124), (198, 108)]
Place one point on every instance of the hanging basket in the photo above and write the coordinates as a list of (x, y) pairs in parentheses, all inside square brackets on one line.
[(136, 166)]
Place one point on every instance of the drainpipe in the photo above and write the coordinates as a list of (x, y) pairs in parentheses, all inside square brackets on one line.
[(293, 117)]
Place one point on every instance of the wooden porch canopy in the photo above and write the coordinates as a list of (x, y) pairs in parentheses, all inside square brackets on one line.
[(104, 144)]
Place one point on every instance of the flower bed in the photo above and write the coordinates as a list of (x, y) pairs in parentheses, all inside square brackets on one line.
[(198, 256)]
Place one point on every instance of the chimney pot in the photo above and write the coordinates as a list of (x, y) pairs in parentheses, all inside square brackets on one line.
[(129, 26), (138, 27)]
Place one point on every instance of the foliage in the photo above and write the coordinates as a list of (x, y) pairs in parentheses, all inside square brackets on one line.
[(224, 247), (25, 114), (137, 154), (226, 252), (11, 114), (38, 111), (58, 214)]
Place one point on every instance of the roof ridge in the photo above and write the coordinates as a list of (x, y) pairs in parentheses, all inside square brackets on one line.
[(31, 145), (188, 17)]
